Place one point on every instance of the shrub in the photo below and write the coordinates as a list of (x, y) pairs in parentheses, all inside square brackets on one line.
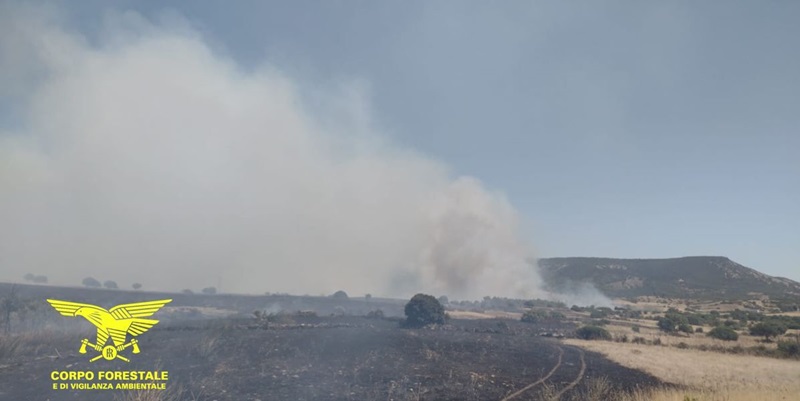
[(682, 345), (789, 348), (340, 295), (375, 314), (685, 328), (40, 279), (136, 286), (90, 282), (592, 333), (209, 290), (639, 340), (723, 333), (666, 324), (111, 285), (636, 328), (422, 310), (598, 314), (533, 316), (698, 330), (187, 291)]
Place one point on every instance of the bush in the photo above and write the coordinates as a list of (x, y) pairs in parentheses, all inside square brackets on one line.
[(789, 348), (340, 295), (40, 279), (685, 328), (636, 328), (592, 333), (90, 282), (639, 340), (136, 286), (540, 316), (698, 330), (111, 285), (209, 290), (375, 314), (723, 333), (666, 324), (422, 310)]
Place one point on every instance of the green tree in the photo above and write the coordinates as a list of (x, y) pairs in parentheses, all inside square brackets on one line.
[(340, 295), (110, 284), (767, 330), (91, 282), (424, 309)]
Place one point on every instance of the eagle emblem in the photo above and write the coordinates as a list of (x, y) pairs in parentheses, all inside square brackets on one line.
[(115, 323)]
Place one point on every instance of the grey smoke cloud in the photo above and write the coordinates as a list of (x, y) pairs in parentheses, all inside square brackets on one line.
[(148, 158)]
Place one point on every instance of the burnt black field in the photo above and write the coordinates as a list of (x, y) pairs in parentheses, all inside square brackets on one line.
[(309, 357)]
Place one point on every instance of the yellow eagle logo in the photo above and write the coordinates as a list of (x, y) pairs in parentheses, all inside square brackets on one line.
[(116, 323)]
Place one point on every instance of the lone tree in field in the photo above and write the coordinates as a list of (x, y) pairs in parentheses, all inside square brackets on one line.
[(136, 286), (110, 284), (424, 309), (91, 282), (29, 277), (340, 295), (209, 290), (767, 330)]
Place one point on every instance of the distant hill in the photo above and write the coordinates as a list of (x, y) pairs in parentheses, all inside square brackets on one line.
[(698, 277)]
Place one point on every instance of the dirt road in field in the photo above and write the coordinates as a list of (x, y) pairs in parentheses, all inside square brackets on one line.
[(569, 386)]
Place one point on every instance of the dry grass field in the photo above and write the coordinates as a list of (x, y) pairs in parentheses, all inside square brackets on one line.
[(709, 376)]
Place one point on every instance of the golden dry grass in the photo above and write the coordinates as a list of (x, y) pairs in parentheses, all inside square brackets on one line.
[(709, 376)]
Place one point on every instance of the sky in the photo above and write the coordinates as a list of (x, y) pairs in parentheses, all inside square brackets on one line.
[(622, 129)]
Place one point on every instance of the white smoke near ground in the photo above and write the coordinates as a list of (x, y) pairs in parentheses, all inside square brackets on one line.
[(146, 157)]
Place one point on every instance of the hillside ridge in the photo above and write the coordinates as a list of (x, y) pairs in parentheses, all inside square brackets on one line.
[(699, 277)]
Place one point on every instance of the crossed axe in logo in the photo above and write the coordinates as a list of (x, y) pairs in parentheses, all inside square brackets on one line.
[(109, 352)]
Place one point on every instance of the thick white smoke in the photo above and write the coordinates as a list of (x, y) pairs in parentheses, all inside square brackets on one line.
[(148, 158)]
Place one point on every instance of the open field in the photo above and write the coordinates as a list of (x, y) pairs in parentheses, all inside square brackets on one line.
[(321, 348), (347, 358), (215, 348), (709, 375)]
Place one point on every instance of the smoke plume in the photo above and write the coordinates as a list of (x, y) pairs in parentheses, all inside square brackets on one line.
[(144, 156)]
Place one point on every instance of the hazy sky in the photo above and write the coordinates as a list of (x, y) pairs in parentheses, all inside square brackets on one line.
[(623, 129)]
